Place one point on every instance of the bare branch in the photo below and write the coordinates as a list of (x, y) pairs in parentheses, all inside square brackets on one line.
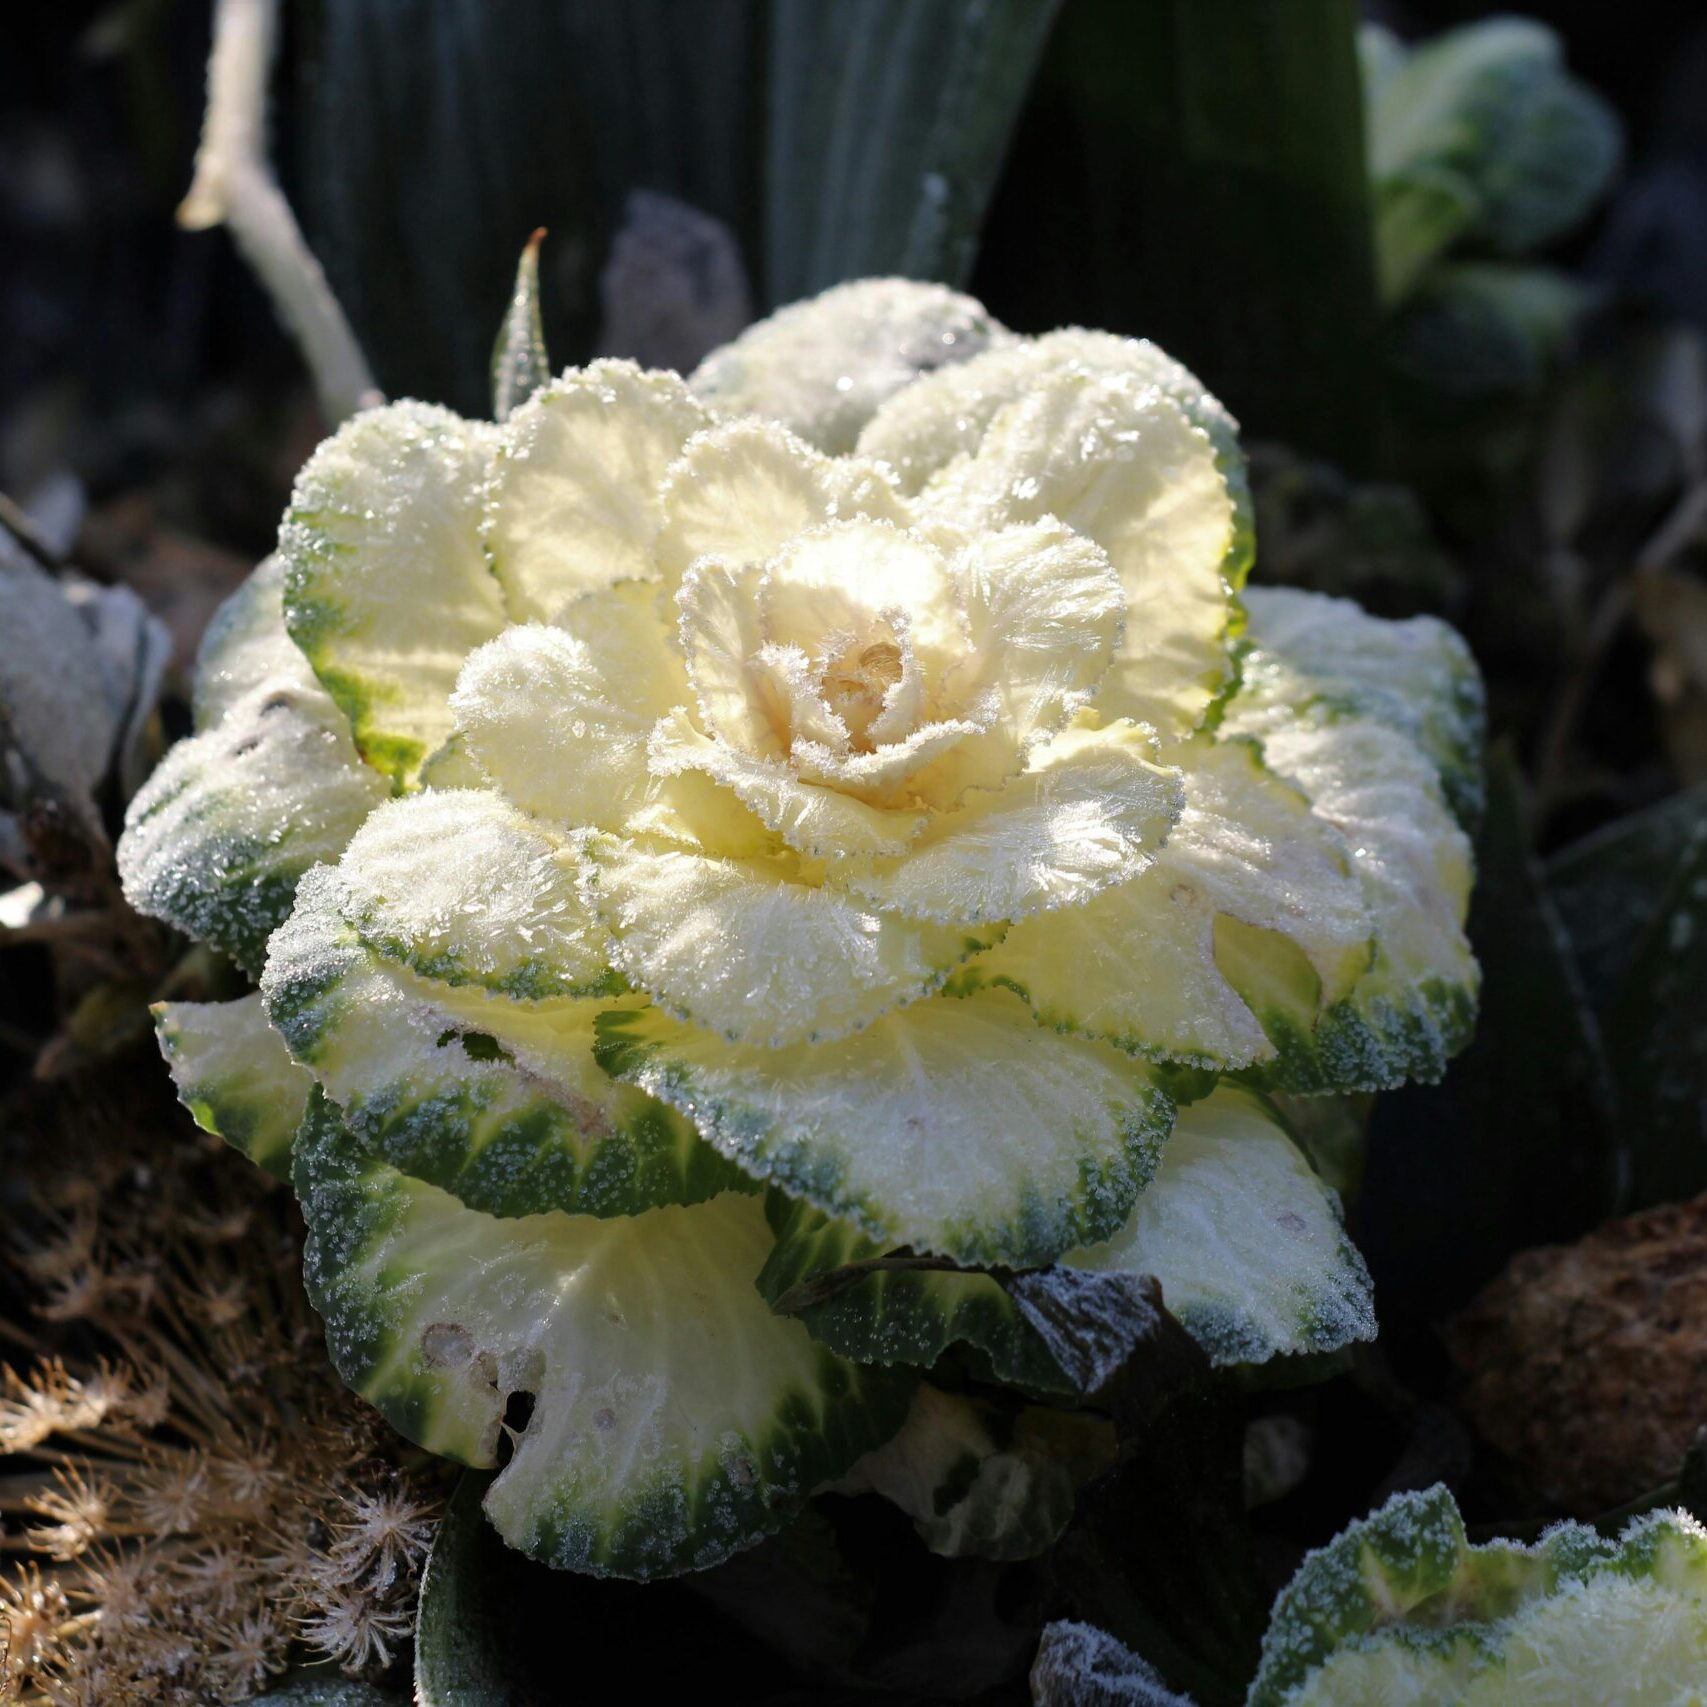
[(234, 186)]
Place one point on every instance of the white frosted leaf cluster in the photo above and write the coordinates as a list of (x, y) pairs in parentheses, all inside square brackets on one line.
[(847, 770), (1401, 1608)]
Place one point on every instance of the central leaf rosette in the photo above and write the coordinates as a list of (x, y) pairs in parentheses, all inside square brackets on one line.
[(814, 746), (858, 769)]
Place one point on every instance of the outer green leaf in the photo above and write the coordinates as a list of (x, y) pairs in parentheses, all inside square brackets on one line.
[(887, 128), (955, 1125), (1244, 1238), (1416, 676), (386, 584), (675, 1419), (888, 1311), (1402, 1609), (235, 1076), (245, 646), (1324, 725), (217, 838), (496, 1100)]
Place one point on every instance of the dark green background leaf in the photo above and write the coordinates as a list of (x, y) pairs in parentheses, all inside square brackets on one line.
[(1656, 1038), (888, 125), (1518, 1145), (494, 1628), (834, 138), (1159, 1553), (464, 1656), (1610, 885), (1192, 171)]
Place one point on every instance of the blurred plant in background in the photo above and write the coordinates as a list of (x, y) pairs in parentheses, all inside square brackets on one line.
[(1482, 150)]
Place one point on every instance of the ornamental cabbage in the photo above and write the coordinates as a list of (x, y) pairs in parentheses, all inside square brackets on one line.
[(709, 832), (1402, 1609)]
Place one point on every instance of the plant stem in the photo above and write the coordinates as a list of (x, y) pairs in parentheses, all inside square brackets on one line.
[(234, 186)]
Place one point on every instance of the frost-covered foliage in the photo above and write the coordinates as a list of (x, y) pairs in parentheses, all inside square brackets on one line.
[(851, 773), (80, 670), (1079, 1665), (1403, 1610)]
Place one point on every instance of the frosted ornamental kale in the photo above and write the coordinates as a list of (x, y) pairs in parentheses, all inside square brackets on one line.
[(1402, 1609), (707, 832)]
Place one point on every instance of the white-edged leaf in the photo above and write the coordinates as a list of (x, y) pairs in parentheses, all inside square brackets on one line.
[(1416, 676), (945, 414), (560, 723), (1093, 809), (741, 490), (495, 1100), (823, 367), (1139, 962), (235, 1076), (1244, 1237), (459, 886), (387, 589), (756, 951), (218, 837), (1346, 746), (955, 1125), (675, 1418), (574, 505), (1118, 462), (812, 818)]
